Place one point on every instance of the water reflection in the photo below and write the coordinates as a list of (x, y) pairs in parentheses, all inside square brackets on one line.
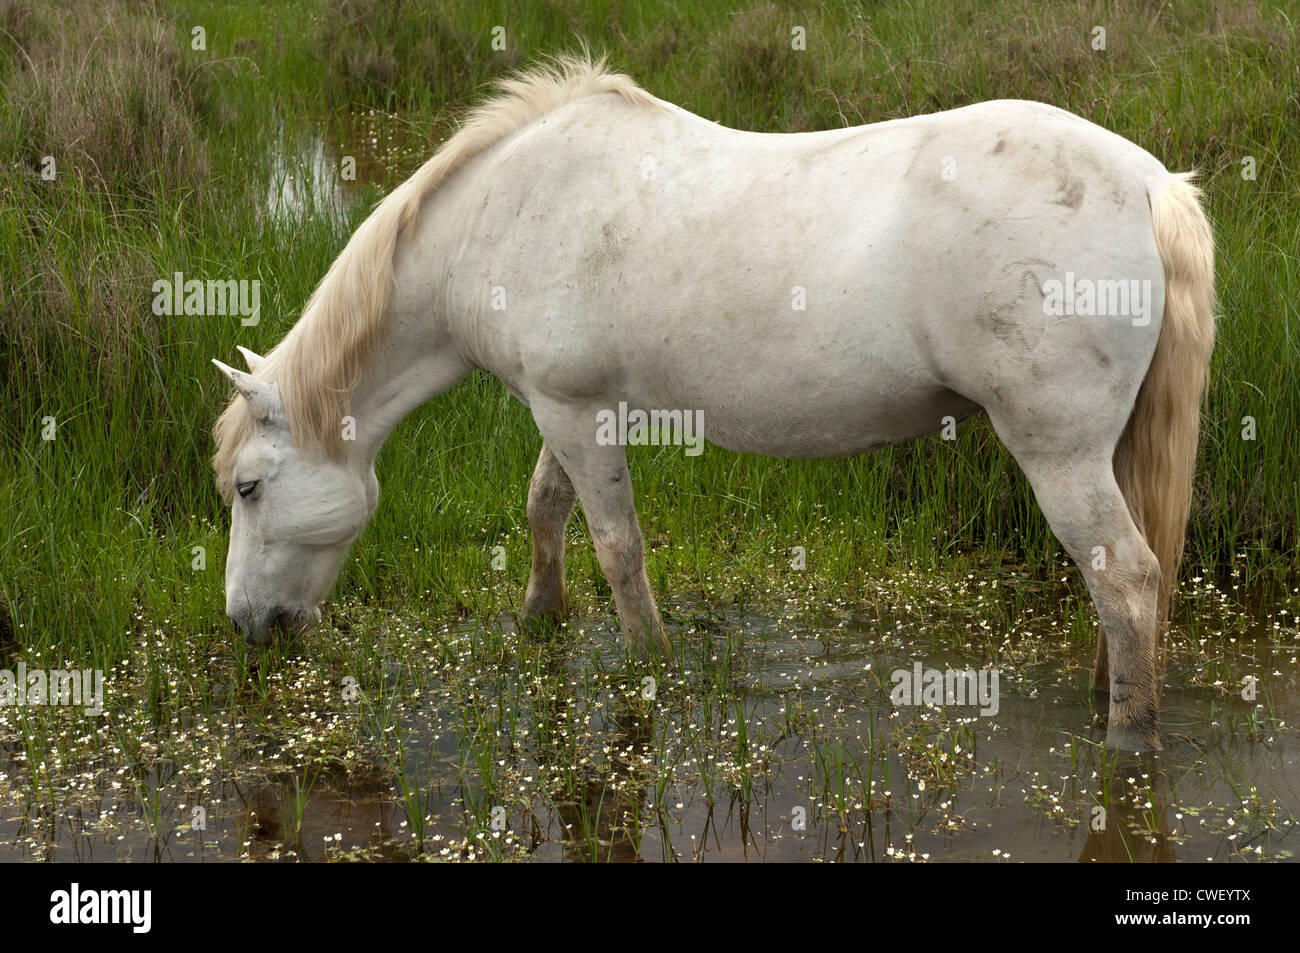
[(315, 173)]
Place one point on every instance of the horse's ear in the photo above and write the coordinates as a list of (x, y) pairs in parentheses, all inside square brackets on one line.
[(261, 394), (253, 360)]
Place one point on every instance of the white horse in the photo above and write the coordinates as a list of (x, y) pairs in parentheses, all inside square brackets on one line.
[(809, 295)]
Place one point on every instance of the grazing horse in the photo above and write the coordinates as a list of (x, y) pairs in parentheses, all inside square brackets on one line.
[(809, 295)]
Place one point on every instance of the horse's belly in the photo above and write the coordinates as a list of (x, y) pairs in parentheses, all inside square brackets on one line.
[(817, 442), (775, 414)]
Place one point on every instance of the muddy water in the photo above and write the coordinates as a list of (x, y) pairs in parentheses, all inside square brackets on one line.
[(805, 758)]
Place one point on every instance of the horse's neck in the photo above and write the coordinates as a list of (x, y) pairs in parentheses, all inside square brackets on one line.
[(411, 364)]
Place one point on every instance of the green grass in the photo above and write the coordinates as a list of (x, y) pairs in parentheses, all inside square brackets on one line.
[(164, 154)]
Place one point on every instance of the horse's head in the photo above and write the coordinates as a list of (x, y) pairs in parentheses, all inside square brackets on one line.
[(293, 514)]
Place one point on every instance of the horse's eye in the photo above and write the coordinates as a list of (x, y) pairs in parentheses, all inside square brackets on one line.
[(247, 487)]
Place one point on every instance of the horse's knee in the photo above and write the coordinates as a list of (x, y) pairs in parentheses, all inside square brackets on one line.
[(621, 556)]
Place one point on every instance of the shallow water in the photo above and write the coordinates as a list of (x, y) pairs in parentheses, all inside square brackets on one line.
[(770, 740), (319, 172)]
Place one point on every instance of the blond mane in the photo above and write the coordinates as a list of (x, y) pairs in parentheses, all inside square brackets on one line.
[(317, 365)]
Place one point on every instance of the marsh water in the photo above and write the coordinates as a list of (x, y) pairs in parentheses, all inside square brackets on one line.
[(806, 758), (320, 171)]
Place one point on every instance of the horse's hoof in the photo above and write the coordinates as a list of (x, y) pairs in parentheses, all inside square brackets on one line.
[(650, 651), (547, 621), (1132, 742)]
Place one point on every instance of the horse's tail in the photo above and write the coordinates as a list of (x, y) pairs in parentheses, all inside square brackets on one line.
[(1156, 456)]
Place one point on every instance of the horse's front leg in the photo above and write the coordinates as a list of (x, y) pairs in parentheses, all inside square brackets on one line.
[(599, 475), (550, 504)]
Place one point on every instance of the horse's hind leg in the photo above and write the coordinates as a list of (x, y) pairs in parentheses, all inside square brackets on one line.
[(1083, 504), (599, 475), (550, 504)]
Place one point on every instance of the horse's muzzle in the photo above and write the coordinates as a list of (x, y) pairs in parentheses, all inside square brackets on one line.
[(264, 627)]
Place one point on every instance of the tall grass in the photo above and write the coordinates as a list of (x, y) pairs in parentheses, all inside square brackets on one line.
[(163, 154)]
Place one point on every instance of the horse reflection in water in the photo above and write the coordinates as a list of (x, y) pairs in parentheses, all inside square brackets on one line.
[(1132, 824)]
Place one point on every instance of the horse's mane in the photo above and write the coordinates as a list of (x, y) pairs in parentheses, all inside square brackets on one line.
[(317, 364)]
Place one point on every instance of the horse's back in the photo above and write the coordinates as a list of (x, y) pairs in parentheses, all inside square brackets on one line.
[(814, 294)]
